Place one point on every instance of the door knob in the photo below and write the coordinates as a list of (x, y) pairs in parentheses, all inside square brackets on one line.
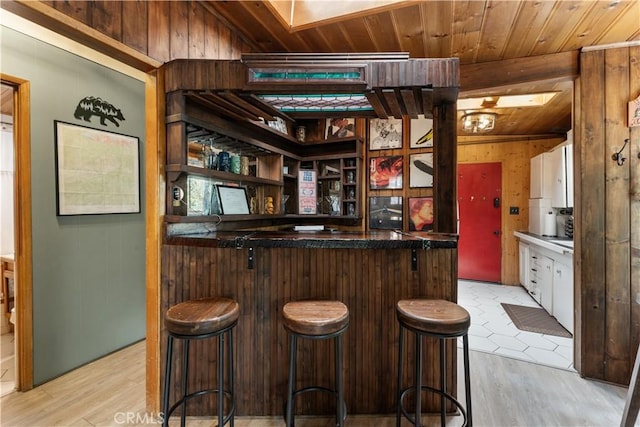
[(496, 232)]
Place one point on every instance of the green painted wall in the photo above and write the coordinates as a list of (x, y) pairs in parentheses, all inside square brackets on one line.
[(88, 271)]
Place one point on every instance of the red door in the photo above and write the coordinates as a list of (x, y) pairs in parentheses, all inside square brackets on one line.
[(479, 204)]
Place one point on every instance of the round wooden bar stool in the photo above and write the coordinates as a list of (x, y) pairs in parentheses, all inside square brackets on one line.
[(317, 320), (439, 319), (196, 320)]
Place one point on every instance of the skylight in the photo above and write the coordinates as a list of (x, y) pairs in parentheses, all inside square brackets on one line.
[(297, 14), (509, 101)]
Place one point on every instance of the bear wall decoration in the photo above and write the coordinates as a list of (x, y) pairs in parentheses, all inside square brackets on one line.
[(90, 106)]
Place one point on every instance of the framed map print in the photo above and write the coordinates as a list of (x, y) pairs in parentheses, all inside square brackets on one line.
[(421, 133), (421, 170), (385, 134), (97, 172)]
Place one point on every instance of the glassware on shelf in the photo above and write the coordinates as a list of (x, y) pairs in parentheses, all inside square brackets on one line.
[(334, 204), (234, 161), (224, 161), (351, 193), (244, 165), (350, 177), (301, 133)]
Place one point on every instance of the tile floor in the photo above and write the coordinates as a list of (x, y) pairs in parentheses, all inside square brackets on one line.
[(7, 364), (492, 331)]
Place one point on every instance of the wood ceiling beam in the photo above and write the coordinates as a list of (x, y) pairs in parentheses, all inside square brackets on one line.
[(510, 72), (427, 102), (232, 97), (198, 97), (377, 105), (392, 101), (230, 106), (50, 18), (409, 103)]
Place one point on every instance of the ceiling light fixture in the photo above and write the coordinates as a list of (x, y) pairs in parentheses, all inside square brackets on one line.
[(478, 122)]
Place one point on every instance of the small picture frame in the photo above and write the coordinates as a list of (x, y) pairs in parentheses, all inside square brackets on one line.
[(385, 134), (421, 133), (420, 213), (340, 127), (385, 172), (421, 170), (233, 200), (307, 192), (385, 213)]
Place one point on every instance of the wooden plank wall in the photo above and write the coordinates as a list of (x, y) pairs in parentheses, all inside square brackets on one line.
[(514, 157), (369, 282), (608, 215), (193, 32)]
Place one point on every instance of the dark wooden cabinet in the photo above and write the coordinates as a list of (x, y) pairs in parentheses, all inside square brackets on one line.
[(270, 162)]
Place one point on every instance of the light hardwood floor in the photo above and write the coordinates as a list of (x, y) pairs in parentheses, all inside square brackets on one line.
[(506, 392)]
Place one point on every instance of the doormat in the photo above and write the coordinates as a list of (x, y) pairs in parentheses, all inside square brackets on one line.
[(534, 319)]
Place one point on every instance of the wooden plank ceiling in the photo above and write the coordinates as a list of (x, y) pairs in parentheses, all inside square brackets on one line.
[(504, 47), (476, 32)]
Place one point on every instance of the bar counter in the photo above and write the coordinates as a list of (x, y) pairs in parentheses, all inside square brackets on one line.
[(328, 239), (368, 271)]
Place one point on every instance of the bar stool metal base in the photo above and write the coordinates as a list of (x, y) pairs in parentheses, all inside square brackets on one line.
[(341, 407), (222, 394), (442, 391)]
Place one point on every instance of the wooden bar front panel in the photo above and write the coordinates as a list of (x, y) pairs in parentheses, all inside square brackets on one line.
[(368, 281)]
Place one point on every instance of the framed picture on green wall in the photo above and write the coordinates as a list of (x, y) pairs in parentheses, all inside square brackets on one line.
[(97, 172)]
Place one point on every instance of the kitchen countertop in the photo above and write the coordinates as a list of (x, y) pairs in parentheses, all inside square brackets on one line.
[(556, 244), (383, 239)]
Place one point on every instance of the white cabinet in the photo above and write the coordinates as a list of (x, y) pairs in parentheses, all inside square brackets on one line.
[(546, 271), (559, 167), (563, 294), (569, 174), (523, 257), (539, 180), (552, 176), (541, 279)]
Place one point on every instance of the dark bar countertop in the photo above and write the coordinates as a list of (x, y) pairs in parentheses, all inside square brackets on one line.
[(379, 239)]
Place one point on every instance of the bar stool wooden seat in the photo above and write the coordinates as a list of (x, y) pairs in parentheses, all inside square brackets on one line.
[(194, 320), (443, 320), (316, 320)]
